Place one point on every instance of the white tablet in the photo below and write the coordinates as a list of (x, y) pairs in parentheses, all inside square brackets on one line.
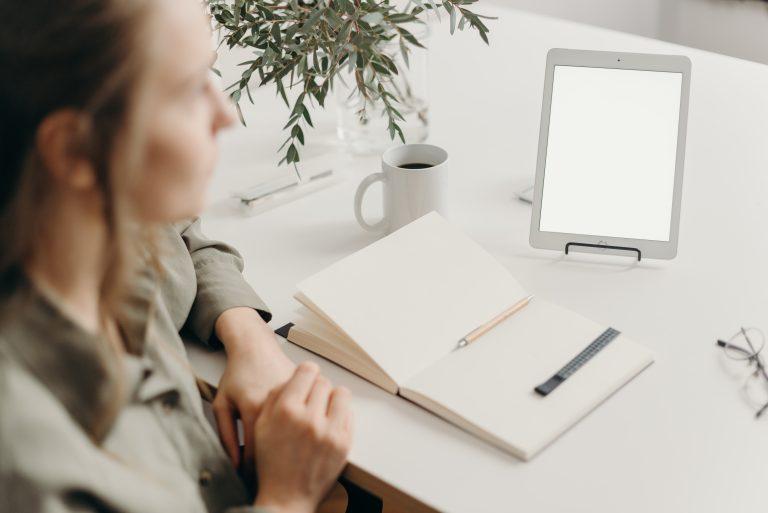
[(611, 147)]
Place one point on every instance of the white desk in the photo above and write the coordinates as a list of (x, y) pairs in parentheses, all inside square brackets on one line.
[(677, 438)]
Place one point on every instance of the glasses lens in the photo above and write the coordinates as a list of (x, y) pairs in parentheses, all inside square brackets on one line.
[(745, 345)]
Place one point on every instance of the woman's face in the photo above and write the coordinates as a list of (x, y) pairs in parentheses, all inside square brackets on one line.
[(185, 110)]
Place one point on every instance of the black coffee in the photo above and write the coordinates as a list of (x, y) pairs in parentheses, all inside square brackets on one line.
[(415, 165)]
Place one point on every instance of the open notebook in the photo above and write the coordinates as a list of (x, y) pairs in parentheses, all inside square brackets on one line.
[(394, 312)]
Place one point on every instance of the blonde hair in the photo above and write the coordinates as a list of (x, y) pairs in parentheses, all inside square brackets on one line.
[(90, 56)]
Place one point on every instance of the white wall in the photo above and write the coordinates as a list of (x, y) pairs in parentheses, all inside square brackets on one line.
[(635, 16), (732, 27)]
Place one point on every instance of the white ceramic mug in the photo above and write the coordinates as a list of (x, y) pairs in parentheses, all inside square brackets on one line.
[(408, 193)]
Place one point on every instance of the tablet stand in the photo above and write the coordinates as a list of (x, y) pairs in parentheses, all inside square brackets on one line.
[(602, 246)]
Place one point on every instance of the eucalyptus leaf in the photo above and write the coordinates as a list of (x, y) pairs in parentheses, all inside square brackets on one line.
[(437, 9), (404, 52), (309, 42)]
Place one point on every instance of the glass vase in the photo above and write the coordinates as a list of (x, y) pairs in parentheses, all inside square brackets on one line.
[(369, 134)]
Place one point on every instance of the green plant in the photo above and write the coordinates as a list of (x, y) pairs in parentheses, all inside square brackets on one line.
[(307, 42)]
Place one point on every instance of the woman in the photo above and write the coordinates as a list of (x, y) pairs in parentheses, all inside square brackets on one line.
[(108, 120)]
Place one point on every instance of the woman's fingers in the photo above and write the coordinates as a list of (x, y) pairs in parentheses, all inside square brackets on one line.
[(339, 409), (306, 427), (249, 451), (317, 403), (272, 397), (227, 426), (298, 387), (249, 410)]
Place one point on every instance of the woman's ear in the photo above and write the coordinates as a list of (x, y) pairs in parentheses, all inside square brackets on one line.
[(62, 140)]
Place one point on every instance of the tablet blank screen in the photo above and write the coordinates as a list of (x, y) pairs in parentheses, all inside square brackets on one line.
[(611, 152)]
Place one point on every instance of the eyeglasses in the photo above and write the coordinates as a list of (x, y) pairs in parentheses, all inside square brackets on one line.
[(746, 346)]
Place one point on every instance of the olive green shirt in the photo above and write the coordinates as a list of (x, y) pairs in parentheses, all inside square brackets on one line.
[(83, 431)]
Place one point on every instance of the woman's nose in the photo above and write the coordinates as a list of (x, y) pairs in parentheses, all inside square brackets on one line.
[(224, 110)]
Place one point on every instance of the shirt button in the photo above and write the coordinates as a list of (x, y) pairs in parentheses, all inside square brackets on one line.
[(205, 477)]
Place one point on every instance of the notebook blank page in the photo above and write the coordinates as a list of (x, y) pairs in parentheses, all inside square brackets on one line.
[(490, 383), (408, 298)]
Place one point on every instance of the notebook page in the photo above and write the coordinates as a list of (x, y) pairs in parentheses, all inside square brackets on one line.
[(408, 298), (490, 383)]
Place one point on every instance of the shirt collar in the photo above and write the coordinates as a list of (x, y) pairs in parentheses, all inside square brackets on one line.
[(79, 368)]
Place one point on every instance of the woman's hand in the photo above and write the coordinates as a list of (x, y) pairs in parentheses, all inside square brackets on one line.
[(303, 436), (255, 366)]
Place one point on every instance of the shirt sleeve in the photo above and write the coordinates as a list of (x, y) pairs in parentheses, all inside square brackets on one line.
[(220, 283)]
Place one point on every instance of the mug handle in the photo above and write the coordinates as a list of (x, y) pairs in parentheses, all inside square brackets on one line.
[(369, 180)]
